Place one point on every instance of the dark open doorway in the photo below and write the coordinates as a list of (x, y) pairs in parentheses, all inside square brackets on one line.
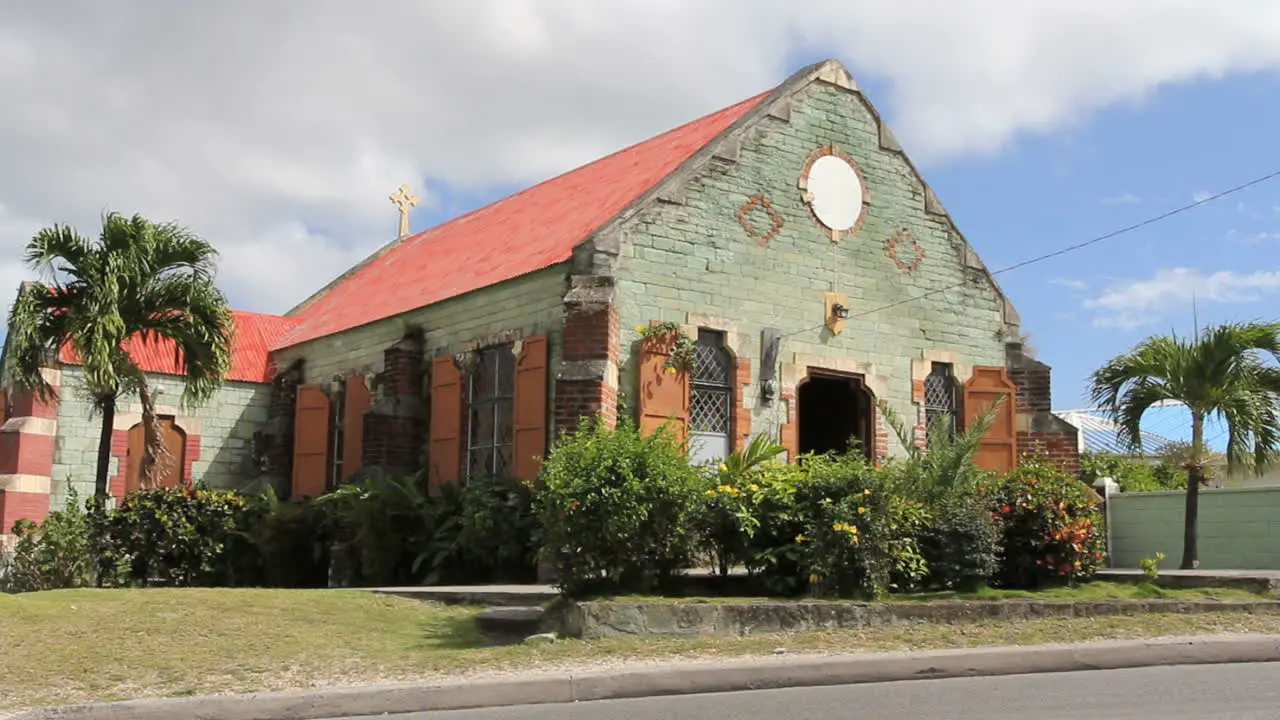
[(835, 411)]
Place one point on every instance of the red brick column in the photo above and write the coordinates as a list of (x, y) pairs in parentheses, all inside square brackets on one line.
[(1041, 434), (587, 381), (741, 413), (395, 427), (26, 456)]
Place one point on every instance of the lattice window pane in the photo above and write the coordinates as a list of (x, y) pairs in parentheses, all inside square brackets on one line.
[(709, 410), (940, 390), (713, 362)]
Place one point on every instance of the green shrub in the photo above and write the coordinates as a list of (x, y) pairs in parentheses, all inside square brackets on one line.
[(961, 546), (1131, 475), (726, 517), (487, 531), (383, 531), (52, 555), (616, 508), (1051, 527), (173, 536), (281, 544), (831, 526)]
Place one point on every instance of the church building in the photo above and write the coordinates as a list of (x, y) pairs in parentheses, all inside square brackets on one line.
[(787, 237)]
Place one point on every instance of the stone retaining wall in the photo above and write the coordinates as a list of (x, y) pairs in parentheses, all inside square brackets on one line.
[(608, 619)]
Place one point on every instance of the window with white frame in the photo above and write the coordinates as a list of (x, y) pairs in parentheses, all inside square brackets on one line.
[(940, 399), (490, 398), (711, 398)]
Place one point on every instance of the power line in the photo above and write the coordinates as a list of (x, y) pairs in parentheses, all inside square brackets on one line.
[(1063, 251)]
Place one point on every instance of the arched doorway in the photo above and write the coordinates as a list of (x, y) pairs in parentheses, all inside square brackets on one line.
[(835, 413), (171, 467)]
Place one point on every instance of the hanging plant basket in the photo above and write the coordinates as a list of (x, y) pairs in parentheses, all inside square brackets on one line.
[(668, 337)]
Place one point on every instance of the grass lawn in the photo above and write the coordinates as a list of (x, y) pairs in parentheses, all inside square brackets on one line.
[(83, 645)]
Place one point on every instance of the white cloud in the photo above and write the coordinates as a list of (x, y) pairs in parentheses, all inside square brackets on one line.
[(1126, 198), (278, 129), (1130, 304), (1070, 283)]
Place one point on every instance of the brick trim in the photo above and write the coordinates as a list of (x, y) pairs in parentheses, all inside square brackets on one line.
[(587, 377), (27, 443)]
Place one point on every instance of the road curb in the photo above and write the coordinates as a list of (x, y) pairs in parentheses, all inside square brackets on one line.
[(687, 679)]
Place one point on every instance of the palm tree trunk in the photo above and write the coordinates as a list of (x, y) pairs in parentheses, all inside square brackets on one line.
[(155, 456), (108, 407), (1195, 475)]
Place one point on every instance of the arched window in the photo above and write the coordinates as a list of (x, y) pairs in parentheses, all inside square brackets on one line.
[(940, 399), (711, 398)]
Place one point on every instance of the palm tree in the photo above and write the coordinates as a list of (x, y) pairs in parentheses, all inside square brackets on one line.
[(139, 281), (1221, 372)]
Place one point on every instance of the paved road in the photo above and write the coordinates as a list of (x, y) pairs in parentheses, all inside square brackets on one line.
[(1219, 692)]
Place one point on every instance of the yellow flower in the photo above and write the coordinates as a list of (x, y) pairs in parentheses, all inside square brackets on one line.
[(753, 487), (711, 493), (800, 538), (862, 509), (813, 578), (640, 329), (866, 491), (723, 467), (671, 371)]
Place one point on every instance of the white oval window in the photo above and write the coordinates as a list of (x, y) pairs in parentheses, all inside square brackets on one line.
[(836, 191)]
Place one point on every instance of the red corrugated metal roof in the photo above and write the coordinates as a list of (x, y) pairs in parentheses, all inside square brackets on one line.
[(528, 231), (250, 350)]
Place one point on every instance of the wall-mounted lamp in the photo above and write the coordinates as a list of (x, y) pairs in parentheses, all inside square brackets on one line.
[(837, 311)]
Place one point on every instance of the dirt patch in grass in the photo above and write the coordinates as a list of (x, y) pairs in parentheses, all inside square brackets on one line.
[(85, 645)]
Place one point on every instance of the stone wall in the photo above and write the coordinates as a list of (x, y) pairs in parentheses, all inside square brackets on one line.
[(708, 255), (224, 427)]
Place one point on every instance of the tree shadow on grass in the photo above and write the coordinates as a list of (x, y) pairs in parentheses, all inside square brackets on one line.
[(451, 633)]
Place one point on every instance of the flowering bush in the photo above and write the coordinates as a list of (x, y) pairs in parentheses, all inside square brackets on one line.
[(727, 516), (833, 526), (1051, 526), (616, 509)]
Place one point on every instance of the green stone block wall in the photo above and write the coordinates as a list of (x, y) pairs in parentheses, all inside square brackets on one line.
[(694, 256), (1239, 528), (228, 422), (531, 304)]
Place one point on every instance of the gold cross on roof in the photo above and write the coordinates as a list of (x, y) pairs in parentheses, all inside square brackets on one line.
[(404, 200)]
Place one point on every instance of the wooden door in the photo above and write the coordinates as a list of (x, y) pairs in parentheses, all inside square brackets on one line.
[(133, 459), (170, 468), (169, 472)]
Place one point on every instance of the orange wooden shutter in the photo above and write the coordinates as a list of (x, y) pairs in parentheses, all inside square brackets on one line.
[(531, 409), (445, 445), (999, 449), (310, 442), (664, 396), (4, 405), (356, 403)]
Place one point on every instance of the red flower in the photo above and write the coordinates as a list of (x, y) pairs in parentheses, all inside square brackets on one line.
[(1005, 509)]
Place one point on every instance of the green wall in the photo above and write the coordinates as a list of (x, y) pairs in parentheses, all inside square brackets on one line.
[(227, 423), (1239, 528), (692, 255)]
